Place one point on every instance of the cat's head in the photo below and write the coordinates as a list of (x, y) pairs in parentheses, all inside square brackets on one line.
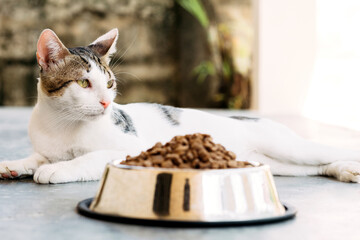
[(77, 82)]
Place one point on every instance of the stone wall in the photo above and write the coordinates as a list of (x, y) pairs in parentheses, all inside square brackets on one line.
[(157, 37)]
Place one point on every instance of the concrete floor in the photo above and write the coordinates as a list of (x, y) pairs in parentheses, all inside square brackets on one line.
[(327, 209)]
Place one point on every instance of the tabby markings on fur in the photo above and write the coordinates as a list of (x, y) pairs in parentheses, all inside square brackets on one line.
[(123, 120)]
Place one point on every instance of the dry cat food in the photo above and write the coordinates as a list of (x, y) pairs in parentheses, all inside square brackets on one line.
[(189, 151)]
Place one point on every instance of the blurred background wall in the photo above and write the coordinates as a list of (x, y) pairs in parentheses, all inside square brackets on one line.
[(307, 58), (164, 53)]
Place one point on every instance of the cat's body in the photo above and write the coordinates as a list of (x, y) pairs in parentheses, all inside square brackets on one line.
[(76, 129)]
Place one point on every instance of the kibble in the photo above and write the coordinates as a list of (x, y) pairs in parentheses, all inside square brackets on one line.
[(190, 151)]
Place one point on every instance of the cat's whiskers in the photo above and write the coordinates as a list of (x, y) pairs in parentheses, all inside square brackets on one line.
[(70, 122), (133, 75), (113, 65), (59, 118), (119, 80), (115, 57), (121, 57)]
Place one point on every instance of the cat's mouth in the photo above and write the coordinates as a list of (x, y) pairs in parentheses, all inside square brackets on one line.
[(92, 115), (95, 114)]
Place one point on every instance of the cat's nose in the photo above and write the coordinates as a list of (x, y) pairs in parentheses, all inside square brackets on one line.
[(105, 104)]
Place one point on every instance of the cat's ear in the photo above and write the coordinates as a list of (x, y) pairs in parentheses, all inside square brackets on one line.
[(50, 49), (105, 45)]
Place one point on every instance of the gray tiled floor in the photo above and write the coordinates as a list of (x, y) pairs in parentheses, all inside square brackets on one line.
[(327, 209)]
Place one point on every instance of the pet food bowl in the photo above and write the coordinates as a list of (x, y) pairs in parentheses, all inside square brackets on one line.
[(184, 197)]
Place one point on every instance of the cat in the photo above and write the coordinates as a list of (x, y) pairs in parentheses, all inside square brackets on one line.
[(76, 128)]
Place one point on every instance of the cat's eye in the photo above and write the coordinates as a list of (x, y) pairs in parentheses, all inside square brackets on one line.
[(110, 83), (84, 83)]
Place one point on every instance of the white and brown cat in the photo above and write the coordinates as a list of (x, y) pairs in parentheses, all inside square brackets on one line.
[(76, 128)]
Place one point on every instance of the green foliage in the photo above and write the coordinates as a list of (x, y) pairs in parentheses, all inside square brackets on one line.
[(195, 8), (218, 38), (203, 70), (235, 102), (226, 69)]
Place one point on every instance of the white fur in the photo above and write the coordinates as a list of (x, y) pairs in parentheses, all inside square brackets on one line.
[(78, 151), (74, 137)]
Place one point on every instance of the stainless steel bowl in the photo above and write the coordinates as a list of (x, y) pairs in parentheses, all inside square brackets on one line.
[(228, 195)]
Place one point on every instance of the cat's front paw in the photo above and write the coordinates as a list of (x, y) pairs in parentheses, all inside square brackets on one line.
[(12, 169), (54, 173), (344, 171)]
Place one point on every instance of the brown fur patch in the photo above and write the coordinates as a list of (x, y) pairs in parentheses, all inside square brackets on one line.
[(61, 74), (107, 69)]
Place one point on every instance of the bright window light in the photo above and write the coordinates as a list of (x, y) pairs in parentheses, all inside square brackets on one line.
[(334, 93)]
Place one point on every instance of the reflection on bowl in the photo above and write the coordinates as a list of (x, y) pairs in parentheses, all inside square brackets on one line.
[(188, 194)]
